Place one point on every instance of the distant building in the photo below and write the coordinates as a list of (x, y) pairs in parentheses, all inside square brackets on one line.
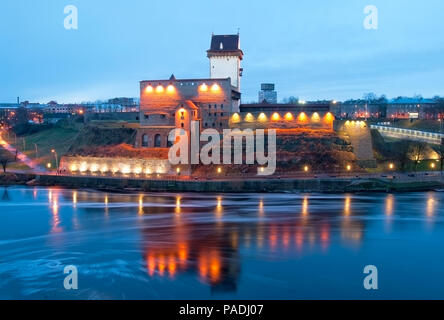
[(359, 109), (410, 108), (267, 93)]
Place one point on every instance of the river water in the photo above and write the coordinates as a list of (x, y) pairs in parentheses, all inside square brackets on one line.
[(219, 246)]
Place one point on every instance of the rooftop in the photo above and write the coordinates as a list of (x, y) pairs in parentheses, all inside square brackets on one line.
[(225, 44)]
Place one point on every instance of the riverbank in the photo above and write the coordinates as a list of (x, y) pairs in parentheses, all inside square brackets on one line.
[(277, 185)]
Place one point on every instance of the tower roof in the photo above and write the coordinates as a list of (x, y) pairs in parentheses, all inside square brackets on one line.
[(222, 44)]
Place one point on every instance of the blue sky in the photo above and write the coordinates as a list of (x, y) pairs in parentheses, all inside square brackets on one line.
[(311, 49)]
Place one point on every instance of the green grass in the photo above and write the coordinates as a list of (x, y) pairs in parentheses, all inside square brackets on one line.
[(58, 138)]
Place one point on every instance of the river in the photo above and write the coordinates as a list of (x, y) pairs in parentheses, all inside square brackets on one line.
[(219, 246)]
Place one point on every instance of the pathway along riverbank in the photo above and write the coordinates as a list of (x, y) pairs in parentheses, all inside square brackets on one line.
[(402, 183)]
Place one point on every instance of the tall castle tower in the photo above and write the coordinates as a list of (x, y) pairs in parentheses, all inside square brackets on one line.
[(225, 58)]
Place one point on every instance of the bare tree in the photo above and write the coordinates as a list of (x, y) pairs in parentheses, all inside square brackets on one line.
[(400, 153), (5, 159), (440, 151), (417, 152)]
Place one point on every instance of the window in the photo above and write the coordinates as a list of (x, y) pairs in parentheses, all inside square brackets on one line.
[(145, 140), (182, 125), (206, 125), (213, 124), (221, 106), (221, 114), (209, 106), (157, 141), (162, 116)]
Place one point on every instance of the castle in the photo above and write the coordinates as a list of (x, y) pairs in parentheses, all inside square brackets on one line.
[(215, 101)]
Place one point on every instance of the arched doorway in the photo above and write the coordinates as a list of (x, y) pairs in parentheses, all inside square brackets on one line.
[(157, 141), (145, 140)]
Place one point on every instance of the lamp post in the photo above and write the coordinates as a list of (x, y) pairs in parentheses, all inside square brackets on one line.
[(36, 150), (56, 158)]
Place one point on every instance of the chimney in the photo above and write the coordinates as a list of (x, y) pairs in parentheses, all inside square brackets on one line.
[(18, 100)]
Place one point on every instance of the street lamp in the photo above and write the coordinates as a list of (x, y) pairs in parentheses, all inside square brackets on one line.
[(391, 166), (306, 168), (349, 167), (36, 150), (56, 158)]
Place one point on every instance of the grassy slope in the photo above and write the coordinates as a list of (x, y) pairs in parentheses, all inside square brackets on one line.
[(58, 138)]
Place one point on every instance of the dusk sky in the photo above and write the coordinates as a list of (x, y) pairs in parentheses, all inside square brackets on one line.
[(310, 49)]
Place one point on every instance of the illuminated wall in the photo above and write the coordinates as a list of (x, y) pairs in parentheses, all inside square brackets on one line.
[(114, 166), (282, 119), (160, 99)]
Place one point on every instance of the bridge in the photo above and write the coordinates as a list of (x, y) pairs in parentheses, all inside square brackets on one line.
[(408, 134)]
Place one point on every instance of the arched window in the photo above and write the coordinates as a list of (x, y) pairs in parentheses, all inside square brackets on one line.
[(157, 141), (145, 140)]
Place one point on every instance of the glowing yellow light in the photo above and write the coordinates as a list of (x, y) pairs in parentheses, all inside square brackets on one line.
[(48, 165), (289, 116), (83, 167), (203, 87), (219, 170), (249, 117), (302, 101), (94, 167), (302, 117), (432, 165), (215, 88), (306, 168), (104, 168), (329, 118), (73, 168), (349, 167), (178, 170), (149, 89), (235, 118), (262, 117), (347, 123), (261, 169), (126, 169), (115, 170), (148, 171), (159, 89), (275, 116), (137, 170), (391, 166), (171, 89), (315, 117)]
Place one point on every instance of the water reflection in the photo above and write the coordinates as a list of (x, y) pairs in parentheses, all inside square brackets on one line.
[(218, 240), (5, 194)]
